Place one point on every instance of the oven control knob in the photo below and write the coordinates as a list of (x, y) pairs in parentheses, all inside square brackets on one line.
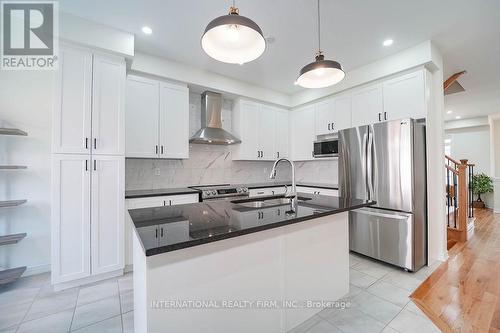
[(214, 192), (206, 193)]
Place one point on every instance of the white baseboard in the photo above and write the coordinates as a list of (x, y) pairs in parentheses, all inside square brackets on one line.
[(87, 280)]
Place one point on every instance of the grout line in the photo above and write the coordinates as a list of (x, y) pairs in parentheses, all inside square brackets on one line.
[(97, 322)]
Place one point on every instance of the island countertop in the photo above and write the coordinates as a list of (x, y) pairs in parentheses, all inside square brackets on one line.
[(169, 228)]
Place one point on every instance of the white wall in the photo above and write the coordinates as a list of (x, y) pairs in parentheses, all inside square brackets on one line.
[(472, 143), (26, 103)]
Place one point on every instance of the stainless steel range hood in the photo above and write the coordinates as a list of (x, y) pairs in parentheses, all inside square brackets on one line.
[(211, 131)]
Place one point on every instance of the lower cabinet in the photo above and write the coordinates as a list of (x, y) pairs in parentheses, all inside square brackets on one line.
[(257, 192), (149, 202), (87, 215), (318, 191)]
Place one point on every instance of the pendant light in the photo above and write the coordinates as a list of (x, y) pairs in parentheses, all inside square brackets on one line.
[(320, 73), (233, 38)]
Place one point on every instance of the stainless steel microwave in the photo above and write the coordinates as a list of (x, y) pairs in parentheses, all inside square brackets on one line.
[(326, 148)]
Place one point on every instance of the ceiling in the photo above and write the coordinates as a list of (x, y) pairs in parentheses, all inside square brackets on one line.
[(467, 32)]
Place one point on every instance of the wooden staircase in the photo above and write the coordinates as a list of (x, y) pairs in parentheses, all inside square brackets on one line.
[(458, 199)]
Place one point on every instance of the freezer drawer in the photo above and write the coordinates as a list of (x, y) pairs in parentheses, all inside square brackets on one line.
[(383, 235)]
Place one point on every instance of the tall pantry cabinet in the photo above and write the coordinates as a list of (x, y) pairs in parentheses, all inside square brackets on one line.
[(88, 167)]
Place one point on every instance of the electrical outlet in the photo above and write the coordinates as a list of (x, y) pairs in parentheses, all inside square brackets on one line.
[(157, 171)]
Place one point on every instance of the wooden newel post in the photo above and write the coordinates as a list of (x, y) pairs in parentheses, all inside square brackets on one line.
[(463, 199)]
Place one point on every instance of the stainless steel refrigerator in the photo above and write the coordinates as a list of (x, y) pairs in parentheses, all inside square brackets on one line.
[(386, 162)]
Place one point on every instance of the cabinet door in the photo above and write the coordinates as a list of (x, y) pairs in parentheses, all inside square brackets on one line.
[(246, 128), (404, 97), (282, 134), (342, 117), (174, 121), (267, 131), (141, 117), (71, 121), (303, 133), (70, 217), (108, 200), (367, 105), (108, 105), (325, 117)]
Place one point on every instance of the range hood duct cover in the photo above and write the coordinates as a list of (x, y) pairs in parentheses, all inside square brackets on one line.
[(211, 131)]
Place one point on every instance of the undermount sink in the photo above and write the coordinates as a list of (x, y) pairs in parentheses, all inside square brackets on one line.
[(259, 203)]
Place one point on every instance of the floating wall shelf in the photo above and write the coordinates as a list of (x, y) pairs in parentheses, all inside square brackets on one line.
[(11, 239), (11, 274), (11, 203), (12, 167), (12, 131)]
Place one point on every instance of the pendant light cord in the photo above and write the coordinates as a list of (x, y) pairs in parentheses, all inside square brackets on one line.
[(319, 30)]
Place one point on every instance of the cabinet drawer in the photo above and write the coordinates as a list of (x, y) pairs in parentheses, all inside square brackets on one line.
[(255, 192), (318, 191), (165, 200)]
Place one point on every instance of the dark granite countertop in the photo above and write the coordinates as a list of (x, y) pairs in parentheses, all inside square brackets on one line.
[(159, 192), (131, 194), (170, 228)]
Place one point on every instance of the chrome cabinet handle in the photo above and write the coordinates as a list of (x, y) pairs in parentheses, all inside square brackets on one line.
[(379, 114), (95, 165), (329, 126), (161, 233), (156, 149), (170, 202), (86, 165), (278, 154), (333, 126), (162, 149), (156, 232), (86, 143), (95, 143), (385, 115)]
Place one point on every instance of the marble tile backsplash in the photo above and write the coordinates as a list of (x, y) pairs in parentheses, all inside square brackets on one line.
[(211, 164)]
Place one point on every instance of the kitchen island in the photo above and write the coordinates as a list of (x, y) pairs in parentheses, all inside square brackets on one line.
[(230, 266)]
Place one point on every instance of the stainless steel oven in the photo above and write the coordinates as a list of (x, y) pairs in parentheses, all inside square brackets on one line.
[(326, 148), (222, 192)]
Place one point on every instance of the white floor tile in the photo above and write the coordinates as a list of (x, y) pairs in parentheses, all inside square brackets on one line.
[(376, 307), (403, 280), (127, 301), (58, 302), (18, 296), (98, 291), (390, 293), (55, 323), (354, 321), (306, 325), (372, 268), (415, 309), (94, 312), (323, 327), (409, 322), (12, 314), (126, 283), (128, 322), (111, 325), (360, 280), (388, 329)]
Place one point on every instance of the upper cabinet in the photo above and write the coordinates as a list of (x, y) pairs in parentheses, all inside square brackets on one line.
[(404, 96), (302, 132), (89, 103), (108, 105), (333, 114), (367, 105), (157, 119), (263, 131)]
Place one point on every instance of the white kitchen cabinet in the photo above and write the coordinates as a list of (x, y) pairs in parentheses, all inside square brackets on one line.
[(325, 117), (282, 134), (142, 112), (174, 121), (89, 103), (107, 213), (342, 107), (108, 105), (367, 105), (149, 202), (318, 191), (267, 132), (259, 126), (404, 96), (73, 102), (265, 191), (70, 217), (87, 215), (157, 119), (303, 133)]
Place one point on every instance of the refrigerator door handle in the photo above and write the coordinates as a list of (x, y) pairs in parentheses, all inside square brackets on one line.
[(364, 163), (369, 165)]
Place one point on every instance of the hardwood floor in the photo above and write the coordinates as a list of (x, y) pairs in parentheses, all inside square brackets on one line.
[(463, 294)]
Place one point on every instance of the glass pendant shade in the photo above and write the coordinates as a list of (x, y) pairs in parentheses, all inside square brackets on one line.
[(320, 73), (233, 39)]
